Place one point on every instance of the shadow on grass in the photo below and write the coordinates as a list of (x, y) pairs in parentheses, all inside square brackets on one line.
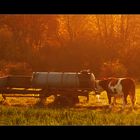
[(94, 107), (61, 104)]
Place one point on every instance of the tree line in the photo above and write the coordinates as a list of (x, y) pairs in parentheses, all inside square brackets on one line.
[(108, 45)]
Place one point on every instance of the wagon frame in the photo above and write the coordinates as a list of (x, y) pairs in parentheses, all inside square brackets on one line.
[(22, 86)]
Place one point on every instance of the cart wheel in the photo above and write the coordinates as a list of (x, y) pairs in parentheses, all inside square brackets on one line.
[(3, 101), (41, 102), (4, 97)]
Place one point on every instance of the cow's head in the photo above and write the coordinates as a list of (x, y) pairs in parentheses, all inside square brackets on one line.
[(98, 87)]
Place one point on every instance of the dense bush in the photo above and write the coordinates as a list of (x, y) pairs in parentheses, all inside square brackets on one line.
[(20, 68), (115, 68)]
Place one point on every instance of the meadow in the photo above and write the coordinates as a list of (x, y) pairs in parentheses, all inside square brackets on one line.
[(23, 112)]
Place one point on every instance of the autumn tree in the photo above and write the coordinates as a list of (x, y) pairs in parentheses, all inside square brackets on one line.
[(70, 42)]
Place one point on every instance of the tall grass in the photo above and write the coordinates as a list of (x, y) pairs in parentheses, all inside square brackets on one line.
[(84, 114), (42, 116)]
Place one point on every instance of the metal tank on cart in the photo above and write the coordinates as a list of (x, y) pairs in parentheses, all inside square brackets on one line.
[(68, 85)]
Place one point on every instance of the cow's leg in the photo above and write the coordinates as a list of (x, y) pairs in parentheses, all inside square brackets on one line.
[(114, 101), (124, 97), (132, 97), (109, 100)]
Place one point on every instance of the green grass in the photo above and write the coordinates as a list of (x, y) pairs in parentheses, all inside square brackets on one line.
[(20, 112), (30, 116)]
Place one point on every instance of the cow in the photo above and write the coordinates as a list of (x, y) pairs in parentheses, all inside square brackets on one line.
[(117, 87)]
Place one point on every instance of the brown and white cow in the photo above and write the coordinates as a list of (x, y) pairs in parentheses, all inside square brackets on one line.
[(117, 87)]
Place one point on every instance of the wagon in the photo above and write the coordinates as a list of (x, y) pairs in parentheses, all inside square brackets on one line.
[(67, 85)]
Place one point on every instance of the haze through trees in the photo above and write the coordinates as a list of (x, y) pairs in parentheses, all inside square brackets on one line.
[(71, 42)]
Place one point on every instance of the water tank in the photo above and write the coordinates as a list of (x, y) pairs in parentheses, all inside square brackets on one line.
[(62, 80)]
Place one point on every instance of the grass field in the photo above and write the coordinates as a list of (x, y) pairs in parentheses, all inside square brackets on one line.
[(21, 111)]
